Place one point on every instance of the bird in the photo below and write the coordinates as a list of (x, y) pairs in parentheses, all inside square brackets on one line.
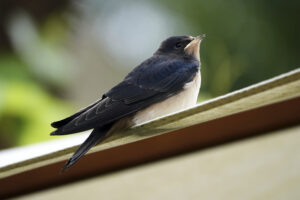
[(167, 82)]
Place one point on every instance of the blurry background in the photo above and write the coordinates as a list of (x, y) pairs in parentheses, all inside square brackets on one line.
[(59, 55)]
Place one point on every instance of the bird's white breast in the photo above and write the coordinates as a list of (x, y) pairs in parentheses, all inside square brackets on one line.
[(183, 100)]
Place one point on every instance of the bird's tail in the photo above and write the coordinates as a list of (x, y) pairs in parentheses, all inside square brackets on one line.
[(96, 136)]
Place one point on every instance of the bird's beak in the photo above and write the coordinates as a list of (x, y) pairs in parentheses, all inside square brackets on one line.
[(192, 48)]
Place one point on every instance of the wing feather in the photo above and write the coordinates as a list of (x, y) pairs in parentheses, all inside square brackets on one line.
[(148, 84)]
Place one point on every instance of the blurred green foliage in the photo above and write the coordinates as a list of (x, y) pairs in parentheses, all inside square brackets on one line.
[(31, 77), (247, 42), (26, 108)]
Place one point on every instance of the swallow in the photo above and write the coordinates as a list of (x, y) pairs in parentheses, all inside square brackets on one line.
[(167, 82)]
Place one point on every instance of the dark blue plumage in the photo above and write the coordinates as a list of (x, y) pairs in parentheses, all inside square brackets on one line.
[(156, 79)]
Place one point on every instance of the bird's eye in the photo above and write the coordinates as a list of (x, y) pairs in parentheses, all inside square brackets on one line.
[(178, 45)]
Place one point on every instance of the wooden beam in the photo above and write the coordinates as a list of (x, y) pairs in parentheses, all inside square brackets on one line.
[(234, 116), (218, 131), (277, 89)]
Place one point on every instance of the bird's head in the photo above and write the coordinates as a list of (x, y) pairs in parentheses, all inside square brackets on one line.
[(182, 46)]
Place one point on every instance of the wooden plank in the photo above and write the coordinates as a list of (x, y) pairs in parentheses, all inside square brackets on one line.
[(226, 118), (264, 167), (214, 132), (279, 88)]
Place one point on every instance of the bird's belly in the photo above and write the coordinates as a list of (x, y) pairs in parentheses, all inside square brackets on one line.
[(183, 100)]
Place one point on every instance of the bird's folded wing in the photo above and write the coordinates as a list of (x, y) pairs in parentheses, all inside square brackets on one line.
[(63, 122), (143, 87)]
